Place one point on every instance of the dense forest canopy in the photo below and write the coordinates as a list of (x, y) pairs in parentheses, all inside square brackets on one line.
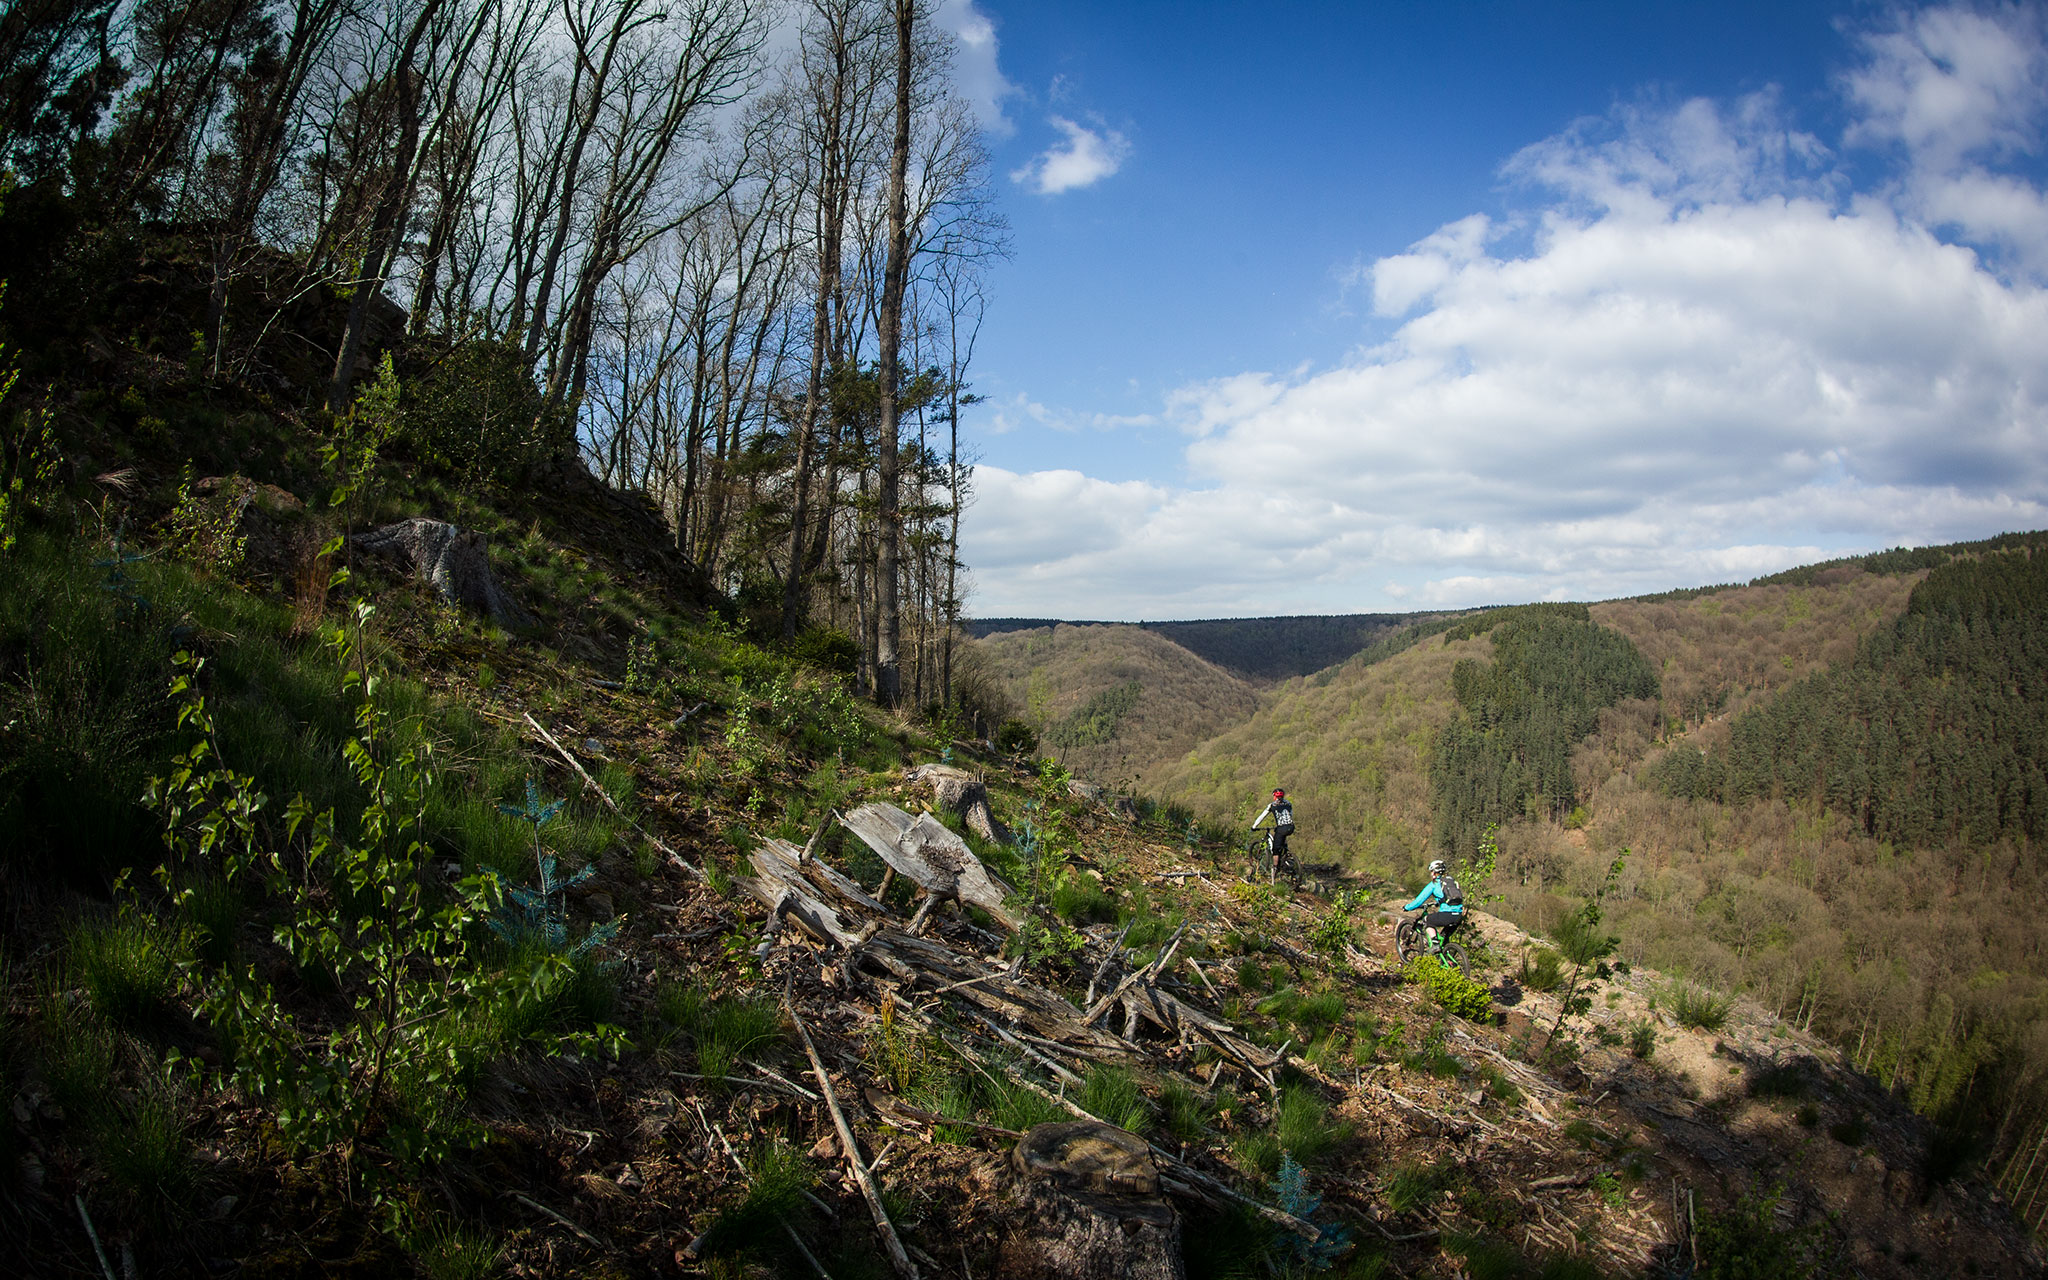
[(1937, 732), (1507, 754)]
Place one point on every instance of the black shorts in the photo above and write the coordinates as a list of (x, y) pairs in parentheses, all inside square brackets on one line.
[(1444, 920)]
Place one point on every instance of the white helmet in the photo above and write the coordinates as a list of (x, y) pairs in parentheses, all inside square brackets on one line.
[(1438, 867)]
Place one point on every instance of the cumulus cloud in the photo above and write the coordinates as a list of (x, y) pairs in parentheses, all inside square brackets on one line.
[(1698, 354), (1958, 91), (976, 73), (1085, 156)]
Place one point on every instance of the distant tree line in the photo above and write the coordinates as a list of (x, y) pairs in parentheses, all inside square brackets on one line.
[(1936, 733), (728, 252), (1508, 752)]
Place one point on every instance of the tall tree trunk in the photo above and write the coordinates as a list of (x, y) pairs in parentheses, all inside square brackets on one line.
[(889, 333)]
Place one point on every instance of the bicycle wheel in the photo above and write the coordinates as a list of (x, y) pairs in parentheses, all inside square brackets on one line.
[(1408, 941), (1453, 956), (1256, 860)]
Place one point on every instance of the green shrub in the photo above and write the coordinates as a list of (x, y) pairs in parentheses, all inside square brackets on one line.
[(1745, 1242), (1451, 989), (475, 414), (1014, 737), (1699, 1007), (1642, 1038), (1542, 970), (1850, 1132)]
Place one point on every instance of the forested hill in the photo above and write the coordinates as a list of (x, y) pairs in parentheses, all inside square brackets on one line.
[(1828, 784), (1262, 650)]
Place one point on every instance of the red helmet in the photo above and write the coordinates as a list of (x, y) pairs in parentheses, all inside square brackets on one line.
[(1278, 794)]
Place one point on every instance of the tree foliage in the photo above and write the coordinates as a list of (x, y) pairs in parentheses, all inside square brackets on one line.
[(1936, 732), (1508, 753)]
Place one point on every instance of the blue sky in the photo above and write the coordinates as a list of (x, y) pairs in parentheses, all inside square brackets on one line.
[(1335, 308)]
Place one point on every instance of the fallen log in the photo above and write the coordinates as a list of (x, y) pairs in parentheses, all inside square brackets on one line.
[(922, 850)]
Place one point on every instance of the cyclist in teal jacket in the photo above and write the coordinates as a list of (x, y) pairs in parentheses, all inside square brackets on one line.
[(1442, 889)]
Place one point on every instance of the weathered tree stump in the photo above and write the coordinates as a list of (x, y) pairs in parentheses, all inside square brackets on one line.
[(1090, 1207), (454, 560), (964, 794)]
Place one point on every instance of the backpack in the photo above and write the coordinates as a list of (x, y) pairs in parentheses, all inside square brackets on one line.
[(1453, 895), (1283, 816)]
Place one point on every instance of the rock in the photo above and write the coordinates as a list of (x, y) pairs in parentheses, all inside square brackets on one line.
[(452, 559), (1090, 1207), (600, 906)]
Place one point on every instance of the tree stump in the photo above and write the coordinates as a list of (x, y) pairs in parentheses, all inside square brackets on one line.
[(452, 559), (964, 794), (1090, 1207)]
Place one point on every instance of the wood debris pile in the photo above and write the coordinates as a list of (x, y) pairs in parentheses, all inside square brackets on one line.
[(948, 977)]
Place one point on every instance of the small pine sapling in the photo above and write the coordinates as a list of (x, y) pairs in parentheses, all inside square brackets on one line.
[(1291, 1194), (542, 915)]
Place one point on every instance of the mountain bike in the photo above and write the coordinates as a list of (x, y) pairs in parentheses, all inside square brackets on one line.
[(1259, 861), (1412, 940)]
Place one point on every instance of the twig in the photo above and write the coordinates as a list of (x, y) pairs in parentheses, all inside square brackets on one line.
[(1116, 949), (674, 858), (784, 1081), (536, 1205), (94, 1236), (868, 1190)]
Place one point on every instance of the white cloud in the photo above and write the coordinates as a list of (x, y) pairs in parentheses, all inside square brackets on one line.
[(1086, 156), (1958, 91), (1019, 410), (1700, 355), (976, 73)]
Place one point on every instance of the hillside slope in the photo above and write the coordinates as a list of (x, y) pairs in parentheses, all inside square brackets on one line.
[(1110, 700), (1906, 958), (1350, 745)]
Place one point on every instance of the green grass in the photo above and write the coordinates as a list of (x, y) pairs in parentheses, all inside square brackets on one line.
[(777, 1178), (1698, 1007), (1415, 1184), (1112, 1094), (1185, 1109), (1302, 1127), (128, 966), (78, 1052), (1642, 1039), (447, 1249), (1015, 1107), (146, 1153), (722, 1029)]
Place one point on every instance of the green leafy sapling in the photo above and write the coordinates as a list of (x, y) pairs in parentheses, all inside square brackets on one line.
[(1579, 938), (542, 914)]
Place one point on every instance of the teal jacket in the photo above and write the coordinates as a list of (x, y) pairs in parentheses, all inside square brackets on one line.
[(1434, 892)]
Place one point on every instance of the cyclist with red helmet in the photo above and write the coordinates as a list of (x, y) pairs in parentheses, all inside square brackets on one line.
[(1282, 814)]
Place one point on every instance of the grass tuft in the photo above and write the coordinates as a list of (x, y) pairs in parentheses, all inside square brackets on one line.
[(1698, 1007), (1112, 1094), (128, 966)]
